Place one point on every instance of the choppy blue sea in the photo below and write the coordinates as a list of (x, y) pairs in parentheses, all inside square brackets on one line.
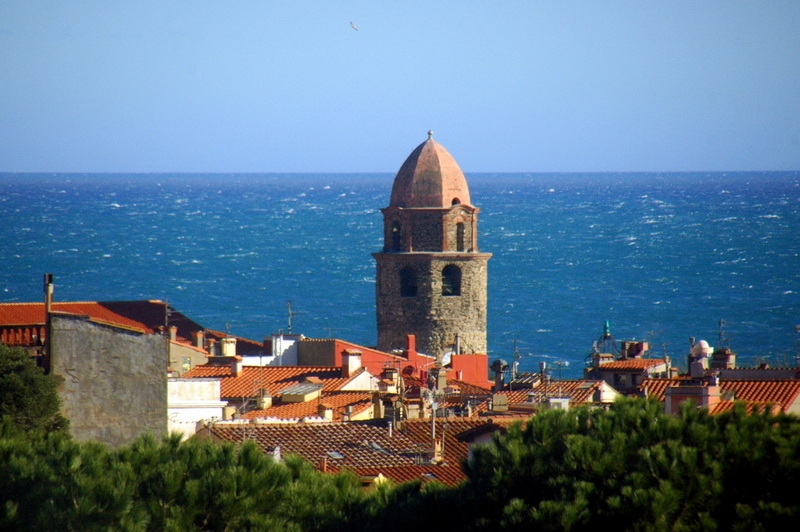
[(662, 256)]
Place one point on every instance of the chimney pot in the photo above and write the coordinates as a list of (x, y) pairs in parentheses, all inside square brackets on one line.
[(236, 366), (199, 339), (228, 347), (351, 362), (411, 343)]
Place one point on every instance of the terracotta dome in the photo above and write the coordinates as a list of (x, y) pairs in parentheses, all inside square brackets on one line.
[(429, 177)]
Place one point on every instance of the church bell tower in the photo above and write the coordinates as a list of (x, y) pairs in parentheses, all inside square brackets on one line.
[(431, 279)]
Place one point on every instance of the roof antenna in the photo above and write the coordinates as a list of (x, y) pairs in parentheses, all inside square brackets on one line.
[(290, 314), (723, 341)]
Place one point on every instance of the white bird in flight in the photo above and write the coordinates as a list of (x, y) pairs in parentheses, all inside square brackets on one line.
[(353, 25)]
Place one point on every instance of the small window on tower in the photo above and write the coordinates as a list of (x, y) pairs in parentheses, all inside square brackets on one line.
[(456, 201), (460, 236), (408, 282), (451, 280), (396, 240)]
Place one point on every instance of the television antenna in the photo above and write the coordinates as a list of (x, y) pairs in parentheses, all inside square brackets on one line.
[(723, 341), (290, 313)]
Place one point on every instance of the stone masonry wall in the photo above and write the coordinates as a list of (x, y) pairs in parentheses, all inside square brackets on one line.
[(114, 381), (435, 319), (426, 231), (466, 217)]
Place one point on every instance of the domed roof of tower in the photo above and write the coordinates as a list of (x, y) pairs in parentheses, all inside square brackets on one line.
[(429, 177)]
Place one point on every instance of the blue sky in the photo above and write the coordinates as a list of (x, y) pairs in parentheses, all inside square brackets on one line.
[(291, 87)]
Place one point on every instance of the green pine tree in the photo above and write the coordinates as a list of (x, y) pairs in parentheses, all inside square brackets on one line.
[(28, 396)]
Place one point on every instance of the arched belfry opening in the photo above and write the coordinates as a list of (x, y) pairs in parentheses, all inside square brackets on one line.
[(408, 282), (397, 237), (451, 280), (431, 280)]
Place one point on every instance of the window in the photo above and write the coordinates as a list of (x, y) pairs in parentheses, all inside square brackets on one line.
[(408, 282), (460, 236), (451, 280), (396, 237)]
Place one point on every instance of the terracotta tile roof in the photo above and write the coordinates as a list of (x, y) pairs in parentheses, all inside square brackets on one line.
[(339, 401), (513, 398), (469, 389), (189, 345), (209, 370), (16, 314), (341, 444), (274, 378), (781, 392), (146, 316), (465, 390), (419, 430), (449, 474), (579, 392), (752, 408), (243, 345), (655, 387), (633, 364)]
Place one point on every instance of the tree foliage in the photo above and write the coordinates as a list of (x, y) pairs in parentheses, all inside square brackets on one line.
[(636, 468), (631, 468), (28, 397)]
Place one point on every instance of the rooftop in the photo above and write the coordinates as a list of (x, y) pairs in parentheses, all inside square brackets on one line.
[(342, 444), (275, 379), (431, 178)]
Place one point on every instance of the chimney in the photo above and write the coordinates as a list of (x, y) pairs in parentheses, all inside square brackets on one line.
[(378, 409), (702, 395), (199, 339), (323, 467), (48, 308), (439, 378), (435, 452), (499, 366), (265, 401), (228, 347), (173, 333), (411, 344), (351, 362), (325, 411), (236, 366), (390, 374), (212, 347), (499, 402)]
